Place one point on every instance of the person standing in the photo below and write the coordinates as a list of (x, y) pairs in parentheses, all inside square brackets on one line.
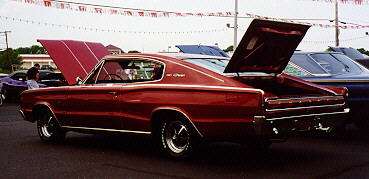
[(32, 77), (37, 66)]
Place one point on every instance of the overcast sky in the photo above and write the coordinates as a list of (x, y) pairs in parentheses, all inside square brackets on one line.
[(24, 34)]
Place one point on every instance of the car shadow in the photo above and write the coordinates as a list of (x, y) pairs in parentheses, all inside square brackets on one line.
[(214, 154)]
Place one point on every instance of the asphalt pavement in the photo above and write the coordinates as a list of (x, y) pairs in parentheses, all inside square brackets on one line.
[(23, 155)]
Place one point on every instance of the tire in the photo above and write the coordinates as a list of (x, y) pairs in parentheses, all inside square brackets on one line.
[(48, 127), (176, 139)]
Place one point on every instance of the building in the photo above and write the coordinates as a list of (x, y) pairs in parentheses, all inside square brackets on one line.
[(113, 50), (29, 60)]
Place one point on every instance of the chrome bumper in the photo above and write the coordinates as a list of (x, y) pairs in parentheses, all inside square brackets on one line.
[(272, 126)]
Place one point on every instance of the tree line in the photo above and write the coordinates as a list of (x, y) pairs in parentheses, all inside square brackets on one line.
[(9, 58)]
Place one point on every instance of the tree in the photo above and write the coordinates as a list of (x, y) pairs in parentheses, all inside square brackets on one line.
[(229, 49), (34, 49), (363, 51), (9, 60)]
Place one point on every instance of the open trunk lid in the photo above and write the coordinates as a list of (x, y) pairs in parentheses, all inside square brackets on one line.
[(267, 46), (74, 58)]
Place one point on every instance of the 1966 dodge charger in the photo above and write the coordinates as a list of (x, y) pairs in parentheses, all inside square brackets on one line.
[(180, 99)]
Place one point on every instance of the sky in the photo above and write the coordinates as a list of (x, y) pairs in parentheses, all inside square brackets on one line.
[(317, 39)]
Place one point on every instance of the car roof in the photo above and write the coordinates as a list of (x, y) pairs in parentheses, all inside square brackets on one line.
[(300, 52), (173, 55)]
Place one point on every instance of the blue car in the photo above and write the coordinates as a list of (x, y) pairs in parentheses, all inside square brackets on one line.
[(336, 69)]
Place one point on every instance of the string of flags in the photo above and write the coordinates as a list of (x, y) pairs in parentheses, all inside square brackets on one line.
[(355, 2), (102, 30), (111, 10), (96, 29)]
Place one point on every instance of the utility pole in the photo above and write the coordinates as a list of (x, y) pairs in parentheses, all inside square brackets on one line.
[(6, 38), (336, 23), (7, 45), (235, 27)]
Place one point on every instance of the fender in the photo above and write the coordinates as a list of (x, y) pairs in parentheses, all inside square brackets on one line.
[(47, 105), (188, 119)]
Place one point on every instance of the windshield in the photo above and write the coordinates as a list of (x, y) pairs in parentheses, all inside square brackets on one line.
[(336, 63), (305, 62)]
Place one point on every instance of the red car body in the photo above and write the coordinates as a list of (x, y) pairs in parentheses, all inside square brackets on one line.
[(237, 105)]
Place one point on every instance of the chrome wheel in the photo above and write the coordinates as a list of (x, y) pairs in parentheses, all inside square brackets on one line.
[(177, 137), (48, 127)]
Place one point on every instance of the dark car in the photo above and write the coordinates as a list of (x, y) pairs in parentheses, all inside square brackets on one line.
[(336, 69), (353, 54), (13, 85)]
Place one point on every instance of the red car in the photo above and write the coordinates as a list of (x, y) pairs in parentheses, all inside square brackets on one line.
[(181, 99)]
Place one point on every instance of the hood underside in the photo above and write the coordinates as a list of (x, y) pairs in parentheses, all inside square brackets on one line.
[(267, 46), (74, 58)]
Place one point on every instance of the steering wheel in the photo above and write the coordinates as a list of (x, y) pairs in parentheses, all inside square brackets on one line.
[(111, 75)]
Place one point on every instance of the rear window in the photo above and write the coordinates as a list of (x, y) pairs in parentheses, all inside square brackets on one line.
[(305, 62), (335, 63), (215, 65)]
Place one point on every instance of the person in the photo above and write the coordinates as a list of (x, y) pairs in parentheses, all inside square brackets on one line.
[(32, 76), (37, 66)]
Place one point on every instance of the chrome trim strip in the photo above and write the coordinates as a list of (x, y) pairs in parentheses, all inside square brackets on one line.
[(312, 97), (108, 130), (346, 110), (22, 114), (133, 85), (307, 107)]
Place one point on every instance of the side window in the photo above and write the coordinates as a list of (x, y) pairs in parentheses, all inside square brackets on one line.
[(130, 71), (295, 71), (19, 76)]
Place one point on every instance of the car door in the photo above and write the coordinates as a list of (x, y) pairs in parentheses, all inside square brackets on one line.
[(93, 104)]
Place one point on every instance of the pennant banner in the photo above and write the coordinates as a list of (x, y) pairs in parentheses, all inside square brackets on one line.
[(101, 9), (356, 2), (98, 29)]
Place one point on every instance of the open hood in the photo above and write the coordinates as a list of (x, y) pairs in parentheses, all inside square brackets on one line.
[(267, 46), (74, 58)]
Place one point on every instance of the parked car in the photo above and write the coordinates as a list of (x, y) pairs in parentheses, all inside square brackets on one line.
[(202, 49), (353, 54), (14, 84), (336, 69), (181, 99)]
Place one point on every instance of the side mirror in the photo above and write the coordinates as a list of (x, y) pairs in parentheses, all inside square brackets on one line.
[(78, 80)]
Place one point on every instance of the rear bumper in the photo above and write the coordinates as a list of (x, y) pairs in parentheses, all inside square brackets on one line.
[(279, 127)]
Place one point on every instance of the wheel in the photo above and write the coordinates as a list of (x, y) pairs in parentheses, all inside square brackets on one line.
[(48, 127), (176, 139)]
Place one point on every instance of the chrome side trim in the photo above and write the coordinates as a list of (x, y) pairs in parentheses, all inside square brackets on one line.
[(346, 110), (107, 130), (307, 107), (317, 97), (22, 114)]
